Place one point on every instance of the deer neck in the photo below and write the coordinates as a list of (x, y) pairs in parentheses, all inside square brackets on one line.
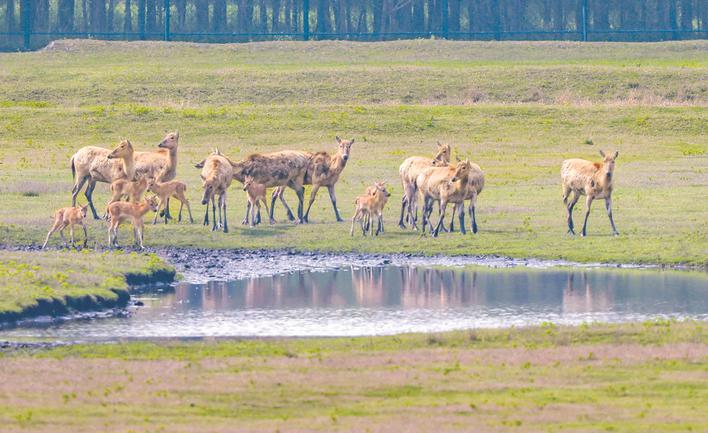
[(338, 163), (603, 177), (143, 208), (129, 166), (171, 167)]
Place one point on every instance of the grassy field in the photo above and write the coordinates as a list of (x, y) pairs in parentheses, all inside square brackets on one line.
[(628, 378), (69, 279), (517, 109)]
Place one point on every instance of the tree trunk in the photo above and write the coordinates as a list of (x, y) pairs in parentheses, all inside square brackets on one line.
[(141, 18), (110, 16), (600, 15), (218, 18), (84, 16), (323, 16), (150, 16), (454, 17), (262, 17), (10, 15), (418, 16), (672, 19), (98, 15), (686, 15), (128, 18), (202, 15), (181, 6), (558, 17), (40, 15), (275, 16), (65, 15)]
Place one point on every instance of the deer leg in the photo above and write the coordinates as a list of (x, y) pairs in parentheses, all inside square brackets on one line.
[(255, 213), (265, 204), (313, 195), (608, 206), (248, 213), (441, 220), (404, 205), (165, 208), (77, 188), (189, 210), (333, 199), (223, 205), (588, 202), (61, 233), (89, 193), (351, 231), (206, 214), (51, 231), (571, 205), (71, 234), (213, 212), (181, 205), (85, 235), (300, 203), (460, 207)]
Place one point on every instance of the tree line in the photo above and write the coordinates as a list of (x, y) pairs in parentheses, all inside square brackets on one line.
[(226, 20)]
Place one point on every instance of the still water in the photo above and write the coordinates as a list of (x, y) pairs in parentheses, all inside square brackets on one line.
[(396, 299)]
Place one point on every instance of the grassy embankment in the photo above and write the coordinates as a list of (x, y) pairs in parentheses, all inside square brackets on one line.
[(53, 282), (628, 378), (518, 109)]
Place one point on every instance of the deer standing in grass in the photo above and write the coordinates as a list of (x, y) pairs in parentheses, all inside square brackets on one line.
[(133, 190), (446, 185), (409, 171), (592, 179), (368, 206), (475, 185), (93, 164), (216, 175), (284, 168), (256, 193), (120, 211), (165, 190), (323, 170), (68, 216)]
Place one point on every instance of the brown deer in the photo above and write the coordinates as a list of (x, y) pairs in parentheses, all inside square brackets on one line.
[(256, 194), (446, 185), (120, 211), (323, 170), (475, 185), (165, 190), (409, 171), (92, 164), (368, 206), (216, 175), (68, 216), (284, 168), (133, 190), (592, 179)]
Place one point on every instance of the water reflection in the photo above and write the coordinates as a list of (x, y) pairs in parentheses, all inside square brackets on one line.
[(386, 300)]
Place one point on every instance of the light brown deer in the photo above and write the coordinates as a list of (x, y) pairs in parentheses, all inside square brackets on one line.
[(120, 211), (368, 206), (95, 164), (68, 216), (592, 179), (216, 175), (132, 190), (256, 193), (165, 190), (446, 185), (91, 164), (475, 185), (409, 171), (323, 170)]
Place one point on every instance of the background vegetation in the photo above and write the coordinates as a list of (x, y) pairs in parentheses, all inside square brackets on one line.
[(517, 109), (245, 20)]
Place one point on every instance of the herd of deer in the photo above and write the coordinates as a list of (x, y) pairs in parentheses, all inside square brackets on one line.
[(131, 174)]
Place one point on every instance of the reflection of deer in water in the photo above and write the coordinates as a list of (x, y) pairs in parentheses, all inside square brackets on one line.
[(584, 299), (368, 286)]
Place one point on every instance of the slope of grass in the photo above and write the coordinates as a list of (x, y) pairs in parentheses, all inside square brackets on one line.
[(28, 279), (630, 378), (517, 109)]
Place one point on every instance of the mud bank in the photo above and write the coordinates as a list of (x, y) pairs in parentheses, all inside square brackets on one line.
[(199, 265)]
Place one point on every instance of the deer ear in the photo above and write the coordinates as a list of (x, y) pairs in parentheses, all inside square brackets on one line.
[(617, 153), (439, 144), (202, 176), (351, 142), (339, 140), (177, 134), (602, 153)]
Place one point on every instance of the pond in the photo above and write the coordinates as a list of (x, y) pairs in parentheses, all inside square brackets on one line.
[(379, 300)]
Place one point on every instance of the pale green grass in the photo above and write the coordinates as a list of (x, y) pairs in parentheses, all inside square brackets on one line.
[(28, 277), (539, 104), (629, 378)]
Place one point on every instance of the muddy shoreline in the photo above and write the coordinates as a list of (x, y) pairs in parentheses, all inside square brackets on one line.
[(199, 265)]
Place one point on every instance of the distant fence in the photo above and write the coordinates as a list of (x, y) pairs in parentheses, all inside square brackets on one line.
[(29, 24)]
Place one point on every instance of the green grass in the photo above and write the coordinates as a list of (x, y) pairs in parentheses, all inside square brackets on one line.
[(27, 278), (517, 109), (632, 377)]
